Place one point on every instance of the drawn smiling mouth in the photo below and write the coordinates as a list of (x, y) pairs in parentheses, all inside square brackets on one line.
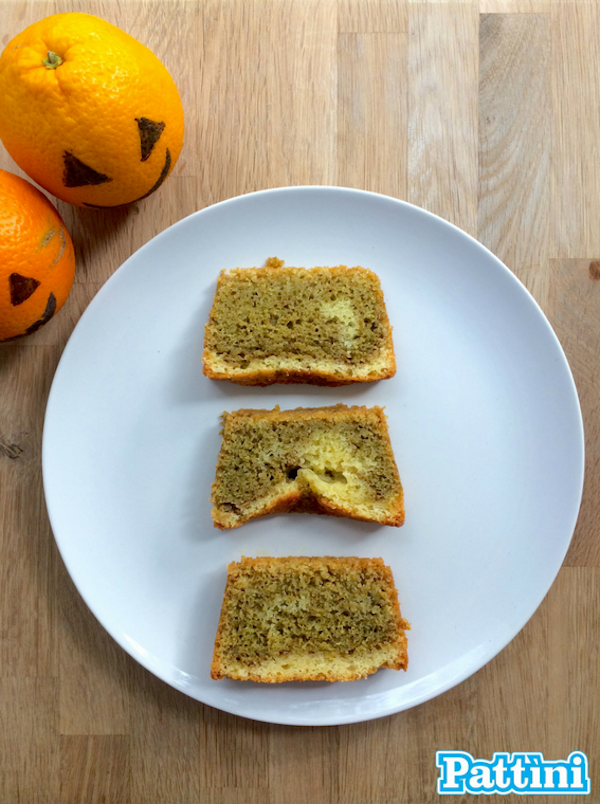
[(163, 175), (77, 174)]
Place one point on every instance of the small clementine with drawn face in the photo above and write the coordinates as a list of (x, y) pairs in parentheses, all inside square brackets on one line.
[(88, 112), (37, 260)]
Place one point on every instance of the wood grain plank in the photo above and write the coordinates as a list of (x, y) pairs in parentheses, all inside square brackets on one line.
[(267, 110), (94, 769), (574, 312), (442, 123), (516, 6), (576, 129), (372, 112), (574, 683), (235, 751), (506, 703), (515, 144), (94, 695), (304, 764), (241, 795), (28, 556), (400, 750), (373, 16), (166, 753), (550, 669), (29, 771), (231, 117), (301, 90)]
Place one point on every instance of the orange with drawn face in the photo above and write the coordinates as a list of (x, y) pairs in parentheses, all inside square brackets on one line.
[(37, 261), (88, 112)]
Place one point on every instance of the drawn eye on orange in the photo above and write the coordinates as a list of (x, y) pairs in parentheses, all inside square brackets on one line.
[(78, 174), (150, 132)]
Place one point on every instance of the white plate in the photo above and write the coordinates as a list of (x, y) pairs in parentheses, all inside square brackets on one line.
[(483, 416)]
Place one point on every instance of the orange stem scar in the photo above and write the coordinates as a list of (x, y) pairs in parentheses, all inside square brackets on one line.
[(52, 61)]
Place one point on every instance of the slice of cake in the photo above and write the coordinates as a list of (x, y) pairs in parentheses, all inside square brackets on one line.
[(334, 460), (309, 619), (326, 326)]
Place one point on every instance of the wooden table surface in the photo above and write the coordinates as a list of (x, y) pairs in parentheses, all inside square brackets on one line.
[(486, 113)]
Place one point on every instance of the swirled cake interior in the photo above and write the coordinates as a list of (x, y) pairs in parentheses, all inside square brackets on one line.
[(323, 325), (309, 618), (334, 460)]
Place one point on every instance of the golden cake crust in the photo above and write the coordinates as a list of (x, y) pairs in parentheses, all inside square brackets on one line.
[(277, 668)]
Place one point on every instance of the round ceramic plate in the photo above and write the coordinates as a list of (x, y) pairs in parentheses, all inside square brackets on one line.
[(483, 417)]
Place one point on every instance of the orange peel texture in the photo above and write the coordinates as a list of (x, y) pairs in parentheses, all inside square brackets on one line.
[(88, 112)]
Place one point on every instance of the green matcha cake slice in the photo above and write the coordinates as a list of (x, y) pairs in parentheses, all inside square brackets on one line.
[(323, 325), (335, 460), (309, 619)]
